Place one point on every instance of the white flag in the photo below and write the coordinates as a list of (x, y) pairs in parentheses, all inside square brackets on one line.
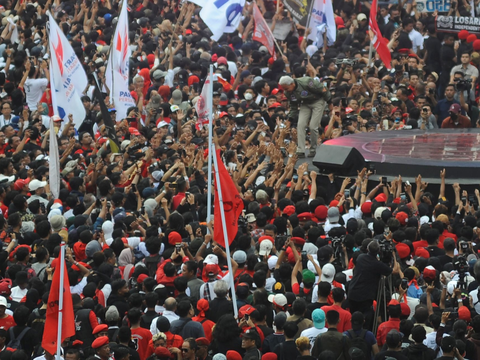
[(321, 20), (54, 163), (202, 106), (70, 66), (67, 77), (222, 16), (118, 66), (14, 37)]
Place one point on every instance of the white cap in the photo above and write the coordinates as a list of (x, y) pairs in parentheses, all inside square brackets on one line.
[(278, 299), (211, 259), (328, 273), (265, 247), (36, 184), (3, 301), (272, 262)]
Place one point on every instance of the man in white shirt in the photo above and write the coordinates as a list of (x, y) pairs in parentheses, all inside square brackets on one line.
[(7, 116), (318, 318), (37, 188), (34, 88), (414, 35), (170, 307)]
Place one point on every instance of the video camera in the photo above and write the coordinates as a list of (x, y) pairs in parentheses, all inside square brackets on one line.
[(385, 250), (463, 84), (460, 264), (345, 61)]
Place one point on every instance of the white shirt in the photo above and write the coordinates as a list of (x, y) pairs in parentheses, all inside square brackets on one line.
[(132, 241), (34, 89), (18, 294), (170, 315), (78, 289), (312, 333), (476, 304), (417, 40), (411, 302)]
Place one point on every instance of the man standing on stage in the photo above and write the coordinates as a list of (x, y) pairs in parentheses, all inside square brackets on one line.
[(308, 98)]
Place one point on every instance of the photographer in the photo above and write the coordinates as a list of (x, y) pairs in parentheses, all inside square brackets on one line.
[(470, 71), (464, 94), (366, 277)]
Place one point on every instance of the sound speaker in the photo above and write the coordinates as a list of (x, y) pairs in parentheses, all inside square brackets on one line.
[(340, 160)]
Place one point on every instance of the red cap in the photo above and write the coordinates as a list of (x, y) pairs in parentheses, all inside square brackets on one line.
[(476, 45), (321, 212), (274, 105), (305, 216), (298, 241), (102, 140), (276, 91), (20, 183), (211, 268), (141, 278), (464, 313), (214, 57), (100, 341), (429, 273), (270, 61), (366, 207), (162, 352), (202, 341), (233, 355), (269, 356), (393, 302), (266, 237), (403, 250), (223, 113), (188, 32), (174, 238), (339, 22), (402, 217), (150, 59), (5, 287), (421, 252), (222, 60), (405, 309), (463, 34), (471, 38), (193, 80), (245, 310), (381, 198), (133, 131), (289, 210), (100, 328), (455, 108), (335, 203)]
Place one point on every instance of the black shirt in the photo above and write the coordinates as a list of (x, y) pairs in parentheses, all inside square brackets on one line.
[(382, 355), (435, 251), (287, 350), (432, 45)]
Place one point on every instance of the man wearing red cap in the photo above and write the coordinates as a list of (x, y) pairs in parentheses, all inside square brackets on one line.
[(102, 348), (456, 120)]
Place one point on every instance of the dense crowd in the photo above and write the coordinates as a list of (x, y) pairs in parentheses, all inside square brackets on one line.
[(323, 268)]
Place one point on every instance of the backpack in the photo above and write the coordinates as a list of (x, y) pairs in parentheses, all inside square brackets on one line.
[(14, 342), (359, 341), (151, 263)]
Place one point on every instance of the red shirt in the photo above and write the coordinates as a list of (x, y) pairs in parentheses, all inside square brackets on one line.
[(345, 322), (207, 326), (445, 235), (419, 244), (7, 322), (141, 338), (177, 199), (384, 329)]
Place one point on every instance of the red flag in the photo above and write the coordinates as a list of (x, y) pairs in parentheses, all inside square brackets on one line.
[(232, 205), (378, 41), (262, 32), (49, 341)]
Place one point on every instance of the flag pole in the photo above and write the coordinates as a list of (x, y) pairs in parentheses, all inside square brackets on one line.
[(370, 54), (225, 233), (60, 300), (210, 137)]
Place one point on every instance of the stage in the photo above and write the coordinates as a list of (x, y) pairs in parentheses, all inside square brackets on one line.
[(405, 152)]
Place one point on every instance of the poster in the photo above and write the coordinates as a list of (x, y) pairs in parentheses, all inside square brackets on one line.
[(455, 24), (299, 9), (432, 5), (282, 28)]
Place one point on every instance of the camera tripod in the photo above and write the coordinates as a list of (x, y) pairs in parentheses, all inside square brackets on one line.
[(386, 283)]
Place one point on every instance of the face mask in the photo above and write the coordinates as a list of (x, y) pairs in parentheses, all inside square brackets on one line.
[(248, 96), (453, 116)]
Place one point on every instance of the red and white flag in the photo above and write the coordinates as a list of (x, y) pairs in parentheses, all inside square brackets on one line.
[(262, 32), (378, 41), (202, 106), (232, 205), (49, 341)]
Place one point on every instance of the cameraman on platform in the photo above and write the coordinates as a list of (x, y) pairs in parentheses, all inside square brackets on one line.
[(366, 276)]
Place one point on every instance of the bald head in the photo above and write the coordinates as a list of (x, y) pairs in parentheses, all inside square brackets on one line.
[(170, 304)]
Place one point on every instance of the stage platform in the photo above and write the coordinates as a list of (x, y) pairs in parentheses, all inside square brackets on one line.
[(405, 152)]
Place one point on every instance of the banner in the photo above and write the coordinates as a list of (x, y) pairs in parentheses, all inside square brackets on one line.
[(67, 76), (221, 16), (433, 5), (456, 24), (282, 28), (202, 106), (321, 20), (377, 40), (118, 67), (262, 32), (300, 10)]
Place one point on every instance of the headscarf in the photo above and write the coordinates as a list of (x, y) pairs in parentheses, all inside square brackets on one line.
[(145, 73), (125, 258), (202, 307), (164, 92)]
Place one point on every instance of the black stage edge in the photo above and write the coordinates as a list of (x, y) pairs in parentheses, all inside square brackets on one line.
[(405, 152)]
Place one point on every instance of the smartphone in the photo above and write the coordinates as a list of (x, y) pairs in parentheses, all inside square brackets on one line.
[(407, 183), (246, 317), (464, 200), (386, 231), (347, 194), (471, 199), (384, 180), (295, 177), (453, 316), (403, 197), (178, 247), (404, 283), (405, 75), (134, 187), (374, 109), (385, 124)]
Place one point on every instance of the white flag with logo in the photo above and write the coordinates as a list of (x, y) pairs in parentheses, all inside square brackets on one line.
[(67, 77), (118, 66), (321, 20), (202, 106), (222, 16), (54, 163)]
